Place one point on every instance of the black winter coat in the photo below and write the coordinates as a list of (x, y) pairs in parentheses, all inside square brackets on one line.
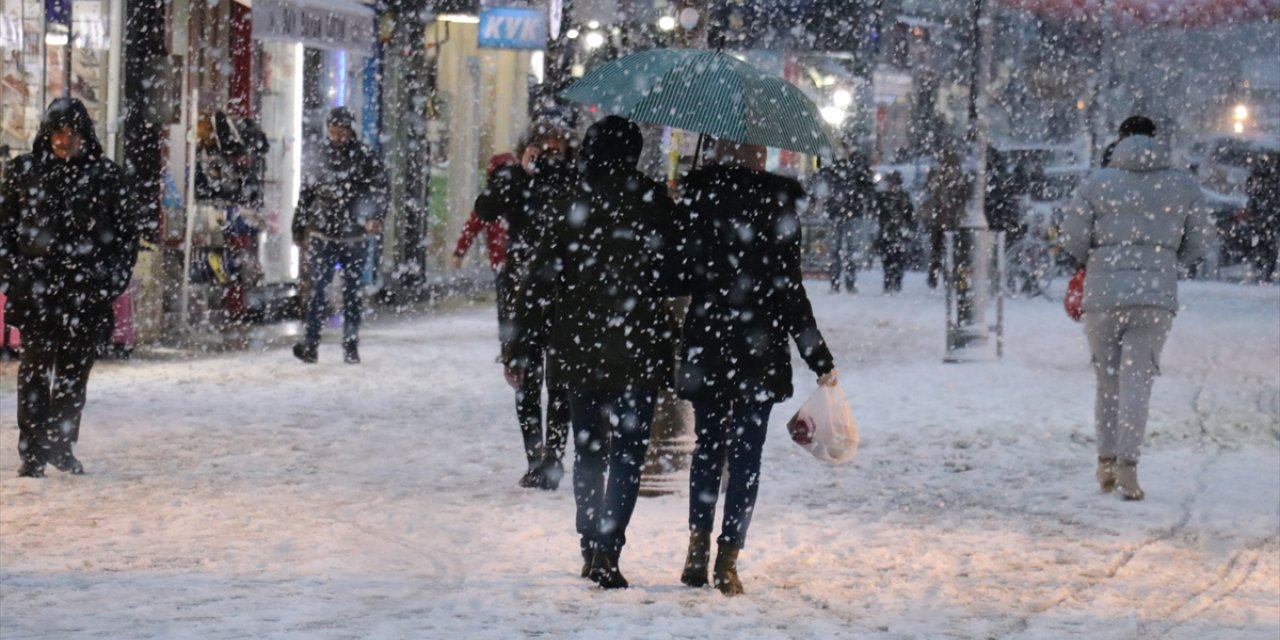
[(528, 204), (68, 241), (895, 212), (602, 261), (348, 187), (748, 301)]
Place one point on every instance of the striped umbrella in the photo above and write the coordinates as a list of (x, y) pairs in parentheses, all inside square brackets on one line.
[(707, 92)]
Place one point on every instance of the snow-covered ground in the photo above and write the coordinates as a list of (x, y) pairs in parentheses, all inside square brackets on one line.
[(248, 496)]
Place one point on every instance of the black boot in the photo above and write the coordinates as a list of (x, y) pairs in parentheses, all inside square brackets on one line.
[(552, 471), (587, 557), (696, 561), (67, 463), (605, 572), (726, 572), (305, 353), (31, 469), (351, 351)]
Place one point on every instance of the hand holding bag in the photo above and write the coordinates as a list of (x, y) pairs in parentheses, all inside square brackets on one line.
[(825, 427), (1073, 302)]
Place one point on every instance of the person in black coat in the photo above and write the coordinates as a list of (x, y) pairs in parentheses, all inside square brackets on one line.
[(343, 202), (68, 243), (895, 212), (524, 195), (748, 303), (606, 261)]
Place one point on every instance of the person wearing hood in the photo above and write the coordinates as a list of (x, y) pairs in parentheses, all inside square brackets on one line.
[(68, 242), (742, 252), (606, 260), (343, 202), (1130, 225), (523, 195)]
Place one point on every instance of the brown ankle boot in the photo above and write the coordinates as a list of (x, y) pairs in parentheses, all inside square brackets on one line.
[(696, 561), (1127, 480), (1106, 474), (726, 571)]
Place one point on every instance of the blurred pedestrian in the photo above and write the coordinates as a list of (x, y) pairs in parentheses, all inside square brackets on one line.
[(896, 215), (342, 204), (748, 302), (68, 243), (1263, 213), (611, 346), (495, 237), (1130, 225), (947, 189), (524, 196), (848, 191)]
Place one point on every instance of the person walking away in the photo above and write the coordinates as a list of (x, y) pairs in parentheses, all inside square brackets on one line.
[(495, 236), (68, 243), (1263, 189), (1130, 225), (748, 303), (523, 195), (1004, 211), (895, 213), (344, 201), (946, 191), (849, 194), (611, 345)]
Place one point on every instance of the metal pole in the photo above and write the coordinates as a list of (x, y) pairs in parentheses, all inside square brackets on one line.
[(1000, 291), (192, 141), (972, 258)]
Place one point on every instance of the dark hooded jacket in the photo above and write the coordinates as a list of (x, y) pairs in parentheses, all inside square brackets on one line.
[(603, 261), (743, 265), (346, 188), (67, 238)]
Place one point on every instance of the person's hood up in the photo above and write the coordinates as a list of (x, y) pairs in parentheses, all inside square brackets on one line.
[(1140, 153), (67, 112), (610, 144)]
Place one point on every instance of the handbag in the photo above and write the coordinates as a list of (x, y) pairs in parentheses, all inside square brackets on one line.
[(1073, 302)]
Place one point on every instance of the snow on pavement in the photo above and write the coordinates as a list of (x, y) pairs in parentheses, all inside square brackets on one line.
[(249, 496)]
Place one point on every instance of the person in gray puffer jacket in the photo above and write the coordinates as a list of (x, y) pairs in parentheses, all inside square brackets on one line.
[(1130, 225)]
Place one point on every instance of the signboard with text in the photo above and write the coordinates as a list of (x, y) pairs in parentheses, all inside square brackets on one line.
[(513, 28)]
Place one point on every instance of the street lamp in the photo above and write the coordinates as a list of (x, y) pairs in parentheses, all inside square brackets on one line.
[(594, 40), (667, 23), (833, 115), (841, 98)]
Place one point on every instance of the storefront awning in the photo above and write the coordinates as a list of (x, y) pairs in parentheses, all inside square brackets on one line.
[(323, 24)]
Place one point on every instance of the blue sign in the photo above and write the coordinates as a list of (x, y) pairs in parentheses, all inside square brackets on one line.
[(513, 28)]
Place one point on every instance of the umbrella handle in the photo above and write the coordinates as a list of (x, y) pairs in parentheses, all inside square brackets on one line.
[(697, 155)]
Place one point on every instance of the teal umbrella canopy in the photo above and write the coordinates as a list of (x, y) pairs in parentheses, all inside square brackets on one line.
[(707, 92)]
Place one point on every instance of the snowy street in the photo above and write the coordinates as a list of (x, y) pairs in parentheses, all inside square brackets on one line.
[(246, 495)]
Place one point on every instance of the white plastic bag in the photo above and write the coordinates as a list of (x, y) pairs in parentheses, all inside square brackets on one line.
[(824, 426)]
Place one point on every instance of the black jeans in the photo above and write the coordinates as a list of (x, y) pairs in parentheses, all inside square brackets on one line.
[(323, 258), (894, 266), (731, 431), (611, 436), (52, 380), (540, 445)]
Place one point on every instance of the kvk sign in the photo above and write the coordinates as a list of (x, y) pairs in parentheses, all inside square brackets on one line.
[(513, 28)]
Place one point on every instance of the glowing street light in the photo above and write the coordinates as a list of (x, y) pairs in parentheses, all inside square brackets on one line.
[(1242, 112), (667, 23), (833, 115), (841, 98), (594, 40), (571, 34)]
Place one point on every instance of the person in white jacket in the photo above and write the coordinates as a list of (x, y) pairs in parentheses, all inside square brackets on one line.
[(1130, 225)]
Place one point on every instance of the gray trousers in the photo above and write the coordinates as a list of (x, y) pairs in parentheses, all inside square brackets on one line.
[(1125, 344)]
